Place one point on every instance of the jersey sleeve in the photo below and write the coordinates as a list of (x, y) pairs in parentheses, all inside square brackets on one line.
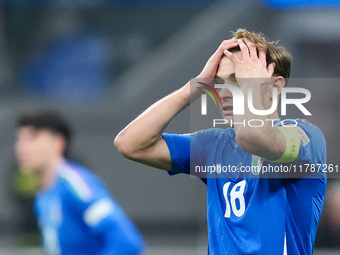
[(313, 144), (179, 148), (186, 150), (101, 214), (190, 150)]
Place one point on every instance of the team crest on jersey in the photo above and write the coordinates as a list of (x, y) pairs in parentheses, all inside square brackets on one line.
[(256, 164)]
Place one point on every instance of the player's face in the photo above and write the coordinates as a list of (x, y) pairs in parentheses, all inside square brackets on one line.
[(34, 148), (226, 71)]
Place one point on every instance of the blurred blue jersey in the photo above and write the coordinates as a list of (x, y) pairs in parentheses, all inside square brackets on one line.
[(77, 215), (247, 212)]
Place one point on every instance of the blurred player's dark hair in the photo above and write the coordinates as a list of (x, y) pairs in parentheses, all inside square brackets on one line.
[(47, 120)]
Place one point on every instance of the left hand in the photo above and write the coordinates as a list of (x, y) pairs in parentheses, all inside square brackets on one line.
[(252, 65)]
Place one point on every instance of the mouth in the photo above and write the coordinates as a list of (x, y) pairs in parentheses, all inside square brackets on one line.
[(227, 110)]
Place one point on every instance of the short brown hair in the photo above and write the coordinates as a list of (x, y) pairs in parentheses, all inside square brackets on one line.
[(277, 54)]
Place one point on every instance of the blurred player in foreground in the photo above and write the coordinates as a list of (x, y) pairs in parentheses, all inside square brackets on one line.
[(247, 214), (75, 211)]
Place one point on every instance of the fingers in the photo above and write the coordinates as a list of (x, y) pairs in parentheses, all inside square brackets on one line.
[(271, 68), (228, 44), (225, 45), (231, 56), (251, 48), (213, 62), (244, 49), (262, 55), (251, 55)]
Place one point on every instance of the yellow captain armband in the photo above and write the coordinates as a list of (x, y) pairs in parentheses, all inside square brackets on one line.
[(293, 142)]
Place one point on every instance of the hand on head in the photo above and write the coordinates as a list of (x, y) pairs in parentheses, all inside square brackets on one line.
[(210, 68), (252, 63)]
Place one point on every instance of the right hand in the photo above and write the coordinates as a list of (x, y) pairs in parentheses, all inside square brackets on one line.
[(210, 68)]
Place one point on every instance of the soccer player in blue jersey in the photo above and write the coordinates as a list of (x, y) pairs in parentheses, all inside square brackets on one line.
[(246, 214), (75, 211)]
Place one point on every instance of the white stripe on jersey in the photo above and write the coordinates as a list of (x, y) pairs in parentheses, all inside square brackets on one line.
[(285, 246), (98, 211), (76, 182)]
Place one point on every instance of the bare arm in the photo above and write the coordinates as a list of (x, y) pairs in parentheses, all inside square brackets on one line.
[(252, 72), (142, 139)]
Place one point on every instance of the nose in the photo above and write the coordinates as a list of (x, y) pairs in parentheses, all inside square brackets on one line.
[(225, 93), (227, 98)]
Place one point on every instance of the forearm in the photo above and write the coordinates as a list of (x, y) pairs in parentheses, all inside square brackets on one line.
[(258, 137), (245, 122), (146, 130)]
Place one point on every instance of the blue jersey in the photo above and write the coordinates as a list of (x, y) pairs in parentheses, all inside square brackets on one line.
[(77, 215), (248, 214)]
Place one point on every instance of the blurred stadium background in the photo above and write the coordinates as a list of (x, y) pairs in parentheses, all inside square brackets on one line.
[(100, 63)]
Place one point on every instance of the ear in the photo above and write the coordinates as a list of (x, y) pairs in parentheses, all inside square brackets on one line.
[(279, 83)]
